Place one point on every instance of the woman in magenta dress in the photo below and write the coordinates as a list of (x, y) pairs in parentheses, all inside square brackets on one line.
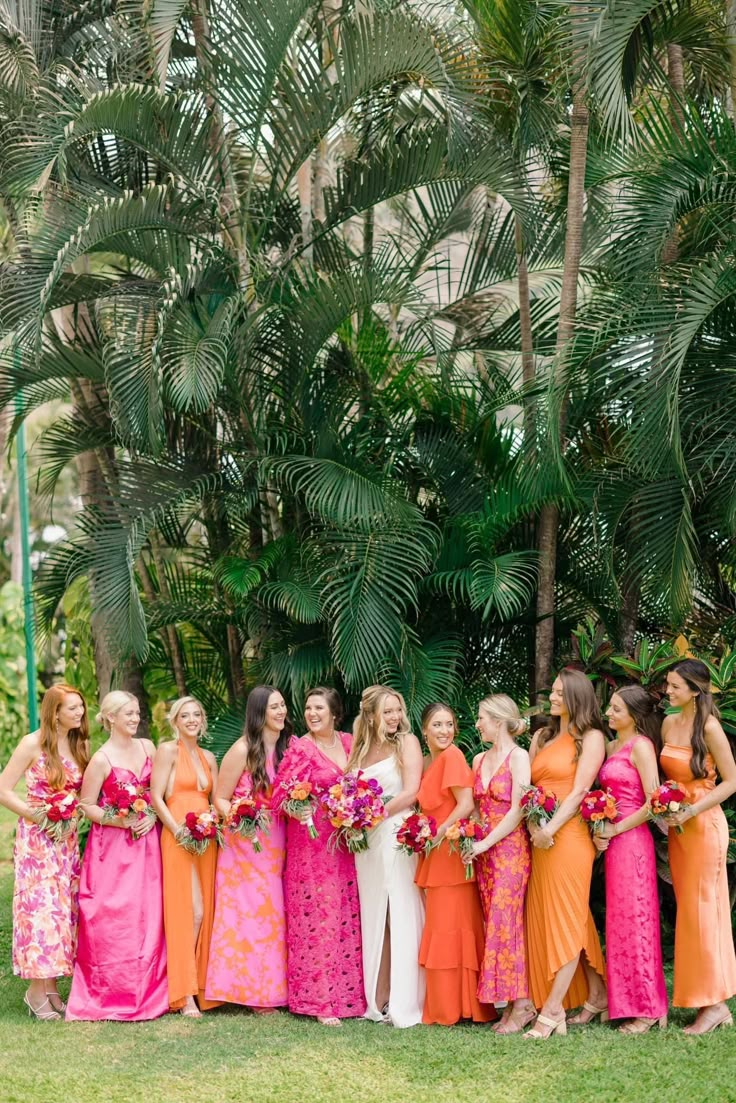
[(45, 901), (121, 960), (247, 963), (636, 986), (325, 973), (504, 861)]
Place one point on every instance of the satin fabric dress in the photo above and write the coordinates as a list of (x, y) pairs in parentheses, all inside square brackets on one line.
[(387, 892), (46, 890), (247, 963), (705, 962), (187, 963), (503, 874), (325, 967), (559, 925), (452, 944), (636, 985), (120, 971)]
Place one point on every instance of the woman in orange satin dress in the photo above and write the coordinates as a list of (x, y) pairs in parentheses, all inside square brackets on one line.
[(566, 967), (452, 945), (695, 750), (184, 780)]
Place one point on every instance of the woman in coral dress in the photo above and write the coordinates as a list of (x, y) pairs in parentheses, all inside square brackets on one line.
[(184, 779), (46, 896), (121, 960), (452, 945), (636, 986), (391, 905), (695, 751), (325, 974), (503, 861), (566, 966), (248, 949)]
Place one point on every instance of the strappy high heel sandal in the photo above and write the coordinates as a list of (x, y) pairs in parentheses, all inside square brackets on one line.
[(726, 1019), (61, 1006), (593, 1012), (514, 1025), (39, 1012), (556, 1026), (643, 1026)]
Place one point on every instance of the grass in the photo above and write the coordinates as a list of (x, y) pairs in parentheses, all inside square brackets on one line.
[(232, 1056)]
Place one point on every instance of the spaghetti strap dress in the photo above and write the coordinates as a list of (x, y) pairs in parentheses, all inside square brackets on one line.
[(559, 924)]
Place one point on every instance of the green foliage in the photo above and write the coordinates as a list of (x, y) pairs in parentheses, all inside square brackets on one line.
[(13, 691)]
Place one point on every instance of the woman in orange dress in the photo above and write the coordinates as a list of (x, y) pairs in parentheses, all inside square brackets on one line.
[(566, 966), (695, 750), (183, 780), (451, 949)]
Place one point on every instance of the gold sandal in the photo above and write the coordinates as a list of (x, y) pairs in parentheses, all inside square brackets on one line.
[(593, 1011), (557, 1026), (644, 1025)]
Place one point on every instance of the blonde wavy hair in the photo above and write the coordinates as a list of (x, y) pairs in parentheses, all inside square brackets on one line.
[(501, 707), (176, 708), (369, 728)]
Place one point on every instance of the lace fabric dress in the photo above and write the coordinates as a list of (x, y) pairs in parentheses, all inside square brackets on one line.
[(503, 874), (325, 971), (636, 985), (46, 894)]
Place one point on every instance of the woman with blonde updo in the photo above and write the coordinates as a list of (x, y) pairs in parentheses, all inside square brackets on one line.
[(121, 960), (184, 780), (391, 906), (504, 860)]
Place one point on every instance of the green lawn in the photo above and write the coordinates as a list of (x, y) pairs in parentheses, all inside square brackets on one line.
[(235, 1057)]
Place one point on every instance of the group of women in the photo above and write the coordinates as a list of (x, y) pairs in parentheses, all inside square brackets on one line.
[(398, 938)]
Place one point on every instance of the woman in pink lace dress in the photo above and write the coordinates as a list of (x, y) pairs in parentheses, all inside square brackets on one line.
[(503, 861), (45, 901), (325, 972), (247, 963), (636, 988)]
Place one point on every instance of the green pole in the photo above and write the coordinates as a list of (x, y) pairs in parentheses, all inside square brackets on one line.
[(25, 547)]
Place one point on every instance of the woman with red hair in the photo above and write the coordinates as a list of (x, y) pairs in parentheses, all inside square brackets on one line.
[(46, 856)]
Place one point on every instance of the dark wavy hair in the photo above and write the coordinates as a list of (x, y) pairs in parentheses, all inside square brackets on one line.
[(582, 708), (642, 709), (255, 722), (697, 677)]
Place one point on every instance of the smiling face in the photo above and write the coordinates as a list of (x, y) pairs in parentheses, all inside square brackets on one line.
[(275, 713), (557, 706), (678, 691), (318, 718), (70, 712), (439, 731), (619, 717), (391, 714), (189, 720), (126, 719), (487, 726)]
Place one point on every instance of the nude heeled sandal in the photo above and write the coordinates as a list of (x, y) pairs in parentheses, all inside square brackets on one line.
[(38, 1012), (558, 1026), (645, 1025), (594, 1012)]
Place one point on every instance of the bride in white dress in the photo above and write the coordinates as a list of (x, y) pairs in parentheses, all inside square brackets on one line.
[(391, 905)]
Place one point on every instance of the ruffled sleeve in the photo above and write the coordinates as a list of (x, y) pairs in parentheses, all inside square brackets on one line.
[(456, 774)]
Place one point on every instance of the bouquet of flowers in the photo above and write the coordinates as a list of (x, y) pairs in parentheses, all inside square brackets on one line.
[(249, 817), (417, 834), (666, 799), (299, 799), (538, 805), (127, 799), (59, 812), (199, 830), (461, 836), (353, 806), (597, 808)]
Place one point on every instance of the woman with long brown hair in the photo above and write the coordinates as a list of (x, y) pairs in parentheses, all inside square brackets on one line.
[(46, 899), (248, 948), (563, 951), (391, 906), (696, 750)]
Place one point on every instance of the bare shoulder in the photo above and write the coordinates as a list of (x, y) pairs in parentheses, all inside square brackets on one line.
[(713, 726), (477, 759), (519, 754), (149, 747), (166, 752), (212, 761), (595, 735), (30, 744), (235, 755), (411, 743)]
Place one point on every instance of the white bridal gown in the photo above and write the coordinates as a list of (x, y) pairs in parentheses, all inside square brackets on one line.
[(387, 891)]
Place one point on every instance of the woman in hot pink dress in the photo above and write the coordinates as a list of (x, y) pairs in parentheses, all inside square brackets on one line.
[(325, 972), (121, 960), (636, 987), (504, 861), (247, 963), (45, 901)]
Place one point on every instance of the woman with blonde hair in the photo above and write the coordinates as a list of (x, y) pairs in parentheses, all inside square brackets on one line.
[(121, 961), (391, 906), (46, 897), (504, 860), (184, 780)]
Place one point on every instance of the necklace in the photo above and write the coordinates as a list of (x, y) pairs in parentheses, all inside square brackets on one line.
[(325, 746)]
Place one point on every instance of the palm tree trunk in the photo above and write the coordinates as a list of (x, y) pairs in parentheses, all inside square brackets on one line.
[(527, 341), (549, 516)]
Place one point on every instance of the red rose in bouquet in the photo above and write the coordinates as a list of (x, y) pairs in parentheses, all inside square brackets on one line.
[(598, 807), (249, 817), (353, 806), (667, 799), (59, 811), (128, 799), (462, 835), (199, 830), (537, 804), (417, 834)]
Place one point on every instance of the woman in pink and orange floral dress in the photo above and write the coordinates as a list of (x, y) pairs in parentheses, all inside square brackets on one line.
[(247, 963), (46, 898), (503, 861)]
